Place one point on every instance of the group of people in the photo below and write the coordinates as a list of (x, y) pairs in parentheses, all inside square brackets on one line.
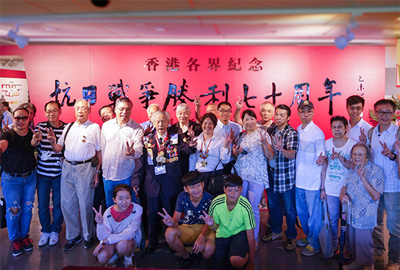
[(172, 168)]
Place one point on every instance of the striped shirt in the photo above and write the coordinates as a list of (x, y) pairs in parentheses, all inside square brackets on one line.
[(230, 223), (49, 163), (389, 167)]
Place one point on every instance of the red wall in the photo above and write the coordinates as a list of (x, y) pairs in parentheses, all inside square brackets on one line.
[(285, 65)]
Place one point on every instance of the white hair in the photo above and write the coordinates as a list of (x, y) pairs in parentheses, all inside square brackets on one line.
[(82, 99), (154, 116), (183, 106), (154, 104)]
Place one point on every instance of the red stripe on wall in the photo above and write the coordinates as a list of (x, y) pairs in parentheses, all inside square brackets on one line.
[(8, 73)]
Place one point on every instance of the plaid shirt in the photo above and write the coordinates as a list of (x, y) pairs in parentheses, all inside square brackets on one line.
[(285, 168)]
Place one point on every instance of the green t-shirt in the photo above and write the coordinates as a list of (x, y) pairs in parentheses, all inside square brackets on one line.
[(241, 217)]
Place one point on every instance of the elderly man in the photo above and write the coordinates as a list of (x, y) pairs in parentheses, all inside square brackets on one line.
[(187, 129), (147, 125), (160, 170), (211, 108), (121, 144), (267, 110), (80, 141)]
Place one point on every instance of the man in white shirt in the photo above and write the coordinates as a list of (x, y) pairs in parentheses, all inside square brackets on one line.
[(224, 124), (357, 126), (382, 139), (309, 160), (121, 145), (80, 141)]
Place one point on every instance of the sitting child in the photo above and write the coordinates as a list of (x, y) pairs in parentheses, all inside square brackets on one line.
[(119, 229), (191, 203), (231, 216)]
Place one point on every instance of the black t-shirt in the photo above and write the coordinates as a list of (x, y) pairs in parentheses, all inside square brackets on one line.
[(19, 156)]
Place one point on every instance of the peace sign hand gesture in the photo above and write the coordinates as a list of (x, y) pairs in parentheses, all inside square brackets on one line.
[(197, 101), (228, 140), (335, 155), (98, 216), (207, 219), (386, 151), (130, 151), (278, 144), (239, 103), (5, 126), (37, 136), (397, 145), (51, 136), (190, 132), (363, 137), (263, 139), (167, 219)]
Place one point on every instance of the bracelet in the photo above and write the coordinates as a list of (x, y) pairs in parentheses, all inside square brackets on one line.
[(98, 171), (322, 189), (394, 157)]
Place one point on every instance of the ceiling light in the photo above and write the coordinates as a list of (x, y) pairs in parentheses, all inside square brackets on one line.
[(342, 41), (20, 40)]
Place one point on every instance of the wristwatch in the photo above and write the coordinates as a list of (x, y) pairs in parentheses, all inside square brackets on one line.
[(102, 243)]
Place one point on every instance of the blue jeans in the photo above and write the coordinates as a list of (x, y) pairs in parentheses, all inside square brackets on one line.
[(109, 186), (309, 211), (274, 208), (44, 185), (389, 202), (18, 192), (253, 192), (334, 215)]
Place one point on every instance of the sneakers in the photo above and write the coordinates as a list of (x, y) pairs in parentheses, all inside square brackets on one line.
[(17, 248), (53, 239), (44, 239), (184, 263), (89, 243), (309, 251), (392, 266), (302, 242), (113, 261), (129, 261), (27, 243), (72, 243), (267, 237), (290, 244)]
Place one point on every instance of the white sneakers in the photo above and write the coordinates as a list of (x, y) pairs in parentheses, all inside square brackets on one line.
[(51, 238), (44, 239)]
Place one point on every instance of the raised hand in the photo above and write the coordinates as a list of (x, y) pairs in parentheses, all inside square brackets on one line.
[(5, 128), (51, 136), (229, 140), (190, 132), (397, 145), (264, 139), (147, 131), (363, 137), (37, 136), (360, 172), (197, 102), (237, 150), (386, 151), (335, 154), (278, 143), (320, 160), (239, 103), (167, 219), (98, 217), (129, 149), (232, 136), (207, 219)]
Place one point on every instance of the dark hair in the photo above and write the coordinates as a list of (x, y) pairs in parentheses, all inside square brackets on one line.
[(351, 100), (52, 102), (123, 100), (192, 178), (369, 152), (121, 187), (341, 119), (5, 103), (20, 109), (29, 105), (385, 102), (106, 106), (233, 180), (284, 107), (224, 103), (212, 117), (250, 113)]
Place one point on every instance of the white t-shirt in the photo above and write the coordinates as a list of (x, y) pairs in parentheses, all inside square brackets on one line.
[(311, 145), (336, 173)]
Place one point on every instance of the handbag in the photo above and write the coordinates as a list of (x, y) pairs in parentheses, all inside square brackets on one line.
[(325, 235), (216, 185), (3, 210)]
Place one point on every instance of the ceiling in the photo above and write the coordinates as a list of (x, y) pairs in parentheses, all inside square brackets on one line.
[(222, 22)]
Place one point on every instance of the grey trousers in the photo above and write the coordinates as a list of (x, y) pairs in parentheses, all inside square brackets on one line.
[(361, 246), (77, 199)]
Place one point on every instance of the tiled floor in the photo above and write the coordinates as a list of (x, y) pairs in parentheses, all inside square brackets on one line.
[(269, 255)]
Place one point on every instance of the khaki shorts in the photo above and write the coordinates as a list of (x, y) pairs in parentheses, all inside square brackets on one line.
[(191, 232)]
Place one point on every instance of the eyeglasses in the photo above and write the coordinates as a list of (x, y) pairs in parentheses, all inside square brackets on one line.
[(23, 118), (382, 113), (81, 108), (358, 155), (355, 108), (52, 111), (225, 111)]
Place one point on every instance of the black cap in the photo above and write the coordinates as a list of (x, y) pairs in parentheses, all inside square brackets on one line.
[(305, 103)]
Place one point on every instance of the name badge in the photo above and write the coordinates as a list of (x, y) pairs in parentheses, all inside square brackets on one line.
[(160, 170), (174, 139), (150, 160)]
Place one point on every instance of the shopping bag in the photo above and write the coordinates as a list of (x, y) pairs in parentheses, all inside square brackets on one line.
[(325, 235), (3, 210)]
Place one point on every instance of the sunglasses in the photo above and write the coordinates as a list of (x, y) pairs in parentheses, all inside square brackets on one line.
[(21, 118)]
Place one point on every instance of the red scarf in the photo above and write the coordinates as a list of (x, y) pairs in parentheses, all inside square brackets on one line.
[(120, 216)]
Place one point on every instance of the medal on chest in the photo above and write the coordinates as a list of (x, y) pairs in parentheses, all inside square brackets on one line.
[(204, 154)]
